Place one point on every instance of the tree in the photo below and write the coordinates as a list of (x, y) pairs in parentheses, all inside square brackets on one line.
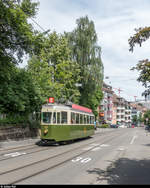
[(135, 120), (146, 118), (16, 34), (53, 70), (18, 91), (142, 34), (19, 95), (140, 118), (86, 52)]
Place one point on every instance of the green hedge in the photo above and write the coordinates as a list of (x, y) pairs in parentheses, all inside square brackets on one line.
[(103, 126), (19, 121)]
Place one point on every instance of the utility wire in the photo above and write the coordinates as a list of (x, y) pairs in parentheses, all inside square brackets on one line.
[(38, 24)]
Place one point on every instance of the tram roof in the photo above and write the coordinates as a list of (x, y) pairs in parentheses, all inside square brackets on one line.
[(74, 107)]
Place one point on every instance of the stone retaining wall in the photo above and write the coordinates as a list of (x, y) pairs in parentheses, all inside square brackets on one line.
[(18, 133)]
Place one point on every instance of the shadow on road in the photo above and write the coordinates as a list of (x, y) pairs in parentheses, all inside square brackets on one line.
[(146, 144), (124, 171)]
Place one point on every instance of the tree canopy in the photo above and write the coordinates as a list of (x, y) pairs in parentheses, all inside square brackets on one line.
[(19, 94), (87, 53), (143, 66), (17, 91), (53, 70), (146, 118), (58, 63), (16, 34)]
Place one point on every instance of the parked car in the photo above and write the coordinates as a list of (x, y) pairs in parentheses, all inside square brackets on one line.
[(113, 126), (147, 128), (122, 126)]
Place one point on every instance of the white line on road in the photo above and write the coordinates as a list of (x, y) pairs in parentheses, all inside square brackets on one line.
[(94, 144), (14, 154), (121, 148), (104, 145), (134, 137), (88, 148), (96, 149)]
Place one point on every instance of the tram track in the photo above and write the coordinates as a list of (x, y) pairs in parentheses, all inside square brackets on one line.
[(14, 148), (30, 147), (27, 171), (24, 150)]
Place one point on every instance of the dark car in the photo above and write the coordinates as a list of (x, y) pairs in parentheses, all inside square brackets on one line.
[(147, 128), (113, 126)]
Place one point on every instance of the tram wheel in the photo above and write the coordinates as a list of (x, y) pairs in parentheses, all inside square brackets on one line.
[(62, 142)]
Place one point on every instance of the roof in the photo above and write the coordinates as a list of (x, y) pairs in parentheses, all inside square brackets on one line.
[(81, 108), (67, 107)]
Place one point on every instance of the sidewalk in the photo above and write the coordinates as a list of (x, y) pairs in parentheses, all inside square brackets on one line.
[(11, 143)]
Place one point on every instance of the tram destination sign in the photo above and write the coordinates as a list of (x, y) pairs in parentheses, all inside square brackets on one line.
[(51, 100)]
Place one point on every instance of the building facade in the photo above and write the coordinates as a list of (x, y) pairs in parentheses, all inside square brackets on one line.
[(114, 109), (106, 106)]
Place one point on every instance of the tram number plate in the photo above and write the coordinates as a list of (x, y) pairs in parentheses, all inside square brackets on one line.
[(81, 160)]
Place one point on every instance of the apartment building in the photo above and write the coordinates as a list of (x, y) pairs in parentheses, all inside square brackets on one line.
[(121, 111), (105, 108), (120, 116), (116, 110), (128, 114)]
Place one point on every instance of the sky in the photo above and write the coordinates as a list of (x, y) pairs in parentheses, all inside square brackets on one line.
[(115, 22)]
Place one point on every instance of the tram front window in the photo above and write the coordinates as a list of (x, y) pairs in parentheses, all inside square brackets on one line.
[(47, 117)]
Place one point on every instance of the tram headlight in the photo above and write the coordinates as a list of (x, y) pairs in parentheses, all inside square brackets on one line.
[(45, 131)]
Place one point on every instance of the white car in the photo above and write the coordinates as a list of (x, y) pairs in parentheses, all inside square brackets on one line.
[(122, 126)]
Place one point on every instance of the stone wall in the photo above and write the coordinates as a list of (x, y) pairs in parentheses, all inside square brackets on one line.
[(18, 133)]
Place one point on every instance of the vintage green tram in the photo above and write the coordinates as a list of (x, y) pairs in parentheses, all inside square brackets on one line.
[(61, 123)]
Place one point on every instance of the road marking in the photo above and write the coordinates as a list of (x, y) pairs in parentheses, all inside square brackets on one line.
[(81, 160), (134, 137), (88, 148), (104, 145), (121, 148), (96, 148), (14, 154), (94, 144), (93, 147), (76, 159)]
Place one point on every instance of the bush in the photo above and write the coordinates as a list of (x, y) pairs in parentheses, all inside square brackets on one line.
[(21, 121), (103, 126)]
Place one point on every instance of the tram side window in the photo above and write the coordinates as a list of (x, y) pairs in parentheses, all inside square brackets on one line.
[(85, 120), (81, 118), (58, 117), (47, 117), (73, 120), (88, 120), (92, 119), (77, 118), (64, 117), (54, 117)]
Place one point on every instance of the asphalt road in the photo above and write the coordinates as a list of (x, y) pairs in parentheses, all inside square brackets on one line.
[(112, 156)]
